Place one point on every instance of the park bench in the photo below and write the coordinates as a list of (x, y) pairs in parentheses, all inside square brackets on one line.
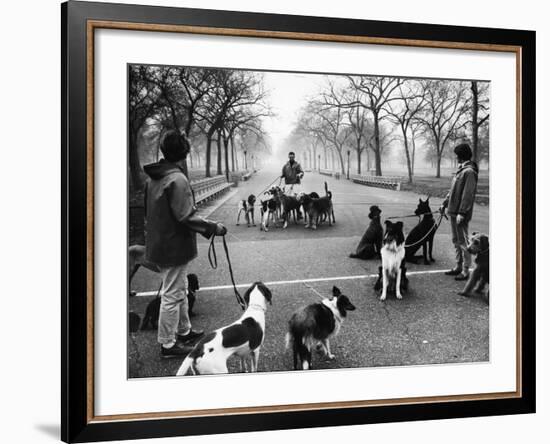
[(335, 174), (247, 175), (209, 188), (388, 182)]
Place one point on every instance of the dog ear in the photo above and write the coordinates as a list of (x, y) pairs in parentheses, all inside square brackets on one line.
[(399, 225), (336, 291), (419, 200), (388, 223)]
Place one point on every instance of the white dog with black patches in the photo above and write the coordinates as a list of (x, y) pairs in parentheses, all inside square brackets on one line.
[(243, 338)]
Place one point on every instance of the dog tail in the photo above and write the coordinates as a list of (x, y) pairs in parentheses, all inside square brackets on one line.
[(187, 362), (327, 192)]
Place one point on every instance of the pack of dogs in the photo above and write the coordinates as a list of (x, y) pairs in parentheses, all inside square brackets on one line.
[(311, 327), (278, 207)]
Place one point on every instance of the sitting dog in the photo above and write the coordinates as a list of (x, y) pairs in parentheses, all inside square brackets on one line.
[(479, 277), (318, 209), (246, 206), (422, 235), (243, 338), (370, 244), (314, 325), (393, 260), (152, 311)]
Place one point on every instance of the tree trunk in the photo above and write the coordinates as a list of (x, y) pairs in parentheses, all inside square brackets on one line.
[(377, 154), (226, 155), (358, 152), (208, 159), (438, 166), (219, 158), (135, 167), (407, 154), (475, 122), (326, 160), (232, 153)]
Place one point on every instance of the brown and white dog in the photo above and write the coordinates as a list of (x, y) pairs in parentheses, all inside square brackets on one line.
[(243, 338), (246, 206)]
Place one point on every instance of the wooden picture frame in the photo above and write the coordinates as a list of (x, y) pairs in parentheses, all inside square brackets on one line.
[(79, 22)]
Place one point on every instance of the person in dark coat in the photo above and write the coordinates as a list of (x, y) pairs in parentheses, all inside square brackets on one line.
[(459, 205), (171, 227)]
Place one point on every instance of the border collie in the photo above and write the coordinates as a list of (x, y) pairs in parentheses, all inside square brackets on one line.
[(393, 255), (246, 206), (314, 325), (243, 338)]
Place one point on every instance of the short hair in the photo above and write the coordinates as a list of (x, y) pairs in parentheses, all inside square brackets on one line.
[(291, 152), (463, 151), (174, 146)]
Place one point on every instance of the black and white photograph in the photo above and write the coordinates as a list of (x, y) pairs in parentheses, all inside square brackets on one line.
[(303, 221)]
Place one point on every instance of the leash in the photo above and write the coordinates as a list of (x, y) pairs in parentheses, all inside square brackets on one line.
[(433, 229), (213, 259), (269, 186), (415, 215)]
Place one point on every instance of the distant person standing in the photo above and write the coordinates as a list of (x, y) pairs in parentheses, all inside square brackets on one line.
[(459, 204), (292, 174), (171, 225)]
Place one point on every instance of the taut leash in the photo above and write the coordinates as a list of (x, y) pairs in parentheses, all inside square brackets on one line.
[(213, 259)]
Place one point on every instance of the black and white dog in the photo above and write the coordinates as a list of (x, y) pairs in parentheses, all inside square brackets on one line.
[(246, 206), (270, 208), (151, 318), (393, 260), (243, 338), (314, 325)]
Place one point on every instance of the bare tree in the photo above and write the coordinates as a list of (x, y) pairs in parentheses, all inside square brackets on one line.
[(404, 112), (480, 112), (446, 105), (373, 93), (143, 104)]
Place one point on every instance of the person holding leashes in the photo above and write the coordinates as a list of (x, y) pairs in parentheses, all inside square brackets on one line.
[(292, 173), (459, 204), (171, 225)]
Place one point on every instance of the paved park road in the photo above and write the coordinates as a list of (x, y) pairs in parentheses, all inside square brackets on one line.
[(431, 325)]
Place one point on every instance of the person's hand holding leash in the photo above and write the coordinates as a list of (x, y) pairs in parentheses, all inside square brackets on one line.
[(220, 230), (460, 219)]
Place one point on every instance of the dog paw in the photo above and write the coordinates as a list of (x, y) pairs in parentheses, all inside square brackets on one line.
[(465, 294), (399, 296), (383, 297), (432, 259), (331, 357)]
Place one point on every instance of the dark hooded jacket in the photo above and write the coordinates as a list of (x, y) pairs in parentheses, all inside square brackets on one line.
[(460, 199), (170, 220)]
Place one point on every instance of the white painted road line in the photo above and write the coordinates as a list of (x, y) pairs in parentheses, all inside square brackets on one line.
[(299, 281)]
